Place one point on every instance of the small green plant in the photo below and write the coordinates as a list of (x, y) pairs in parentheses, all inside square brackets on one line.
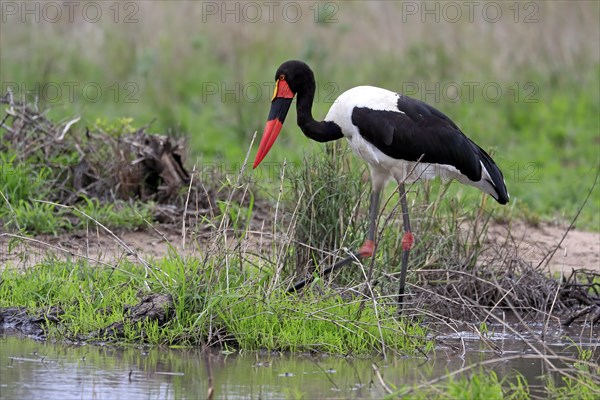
[(21, 181), (239, 216), (38, 217), (120, 214), (584, 384), (582, 380), (117, 128), (483, 384), (483, 329)]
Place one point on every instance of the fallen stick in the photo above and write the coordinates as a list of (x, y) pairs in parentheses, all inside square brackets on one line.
[(327, 271)]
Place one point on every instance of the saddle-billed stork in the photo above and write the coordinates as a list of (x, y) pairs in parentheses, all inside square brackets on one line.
[(398, 137)]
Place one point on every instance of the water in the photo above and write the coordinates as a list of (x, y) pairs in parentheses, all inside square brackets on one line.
[(31, 369)]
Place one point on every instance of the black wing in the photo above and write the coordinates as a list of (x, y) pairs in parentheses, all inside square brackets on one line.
[(416, 130), (419, 130)]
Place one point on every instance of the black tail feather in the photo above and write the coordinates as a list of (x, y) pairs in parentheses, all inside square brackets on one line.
[(496, 175)]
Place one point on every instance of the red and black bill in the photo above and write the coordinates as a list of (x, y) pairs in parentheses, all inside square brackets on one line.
[(280, 105)]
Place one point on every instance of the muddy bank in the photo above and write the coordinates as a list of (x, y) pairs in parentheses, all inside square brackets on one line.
[(553, 247), (454, 296), (33, 323), (20, 320)]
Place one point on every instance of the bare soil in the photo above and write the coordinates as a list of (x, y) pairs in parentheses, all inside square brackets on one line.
[(544, 245), (535, 245)]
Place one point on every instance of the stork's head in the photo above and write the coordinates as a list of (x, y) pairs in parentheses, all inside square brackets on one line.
[(290, 78)]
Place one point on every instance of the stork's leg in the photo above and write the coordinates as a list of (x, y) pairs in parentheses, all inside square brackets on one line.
[(407, 242), (368, 247)]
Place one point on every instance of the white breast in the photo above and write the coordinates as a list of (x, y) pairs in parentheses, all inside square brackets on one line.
[(341, 113)]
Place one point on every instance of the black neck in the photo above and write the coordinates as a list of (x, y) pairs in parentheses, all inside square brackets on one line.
[(323, 131)]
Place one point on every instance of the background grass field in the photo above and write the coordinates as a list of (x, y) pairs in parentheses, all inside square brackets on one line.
[(521, 79)]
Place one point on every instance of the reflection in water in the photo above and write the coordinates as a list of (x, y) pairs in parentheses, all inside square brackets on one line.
[(35, 370)]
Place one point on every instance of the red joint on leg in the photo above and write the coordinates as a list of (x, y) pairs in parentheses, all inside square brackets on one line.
[(407, 241), (367, 249)]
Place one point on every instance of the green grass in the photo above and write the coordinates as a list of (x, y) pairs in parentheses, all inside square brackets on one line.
[(483, 385), (27, 206), (91, 298), (212, 304), (581, 383), (326, 198), (120, 214), (319, 323), (47, 218), (20, 183), (581, 386)]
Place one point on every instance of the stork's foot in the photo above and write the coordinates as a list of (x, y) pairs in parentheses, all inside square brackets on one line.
[(407, 241), (367, 249)]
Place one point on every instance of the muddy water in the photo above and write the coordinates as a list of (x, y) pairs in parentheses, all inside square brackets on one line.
[(37, 370)]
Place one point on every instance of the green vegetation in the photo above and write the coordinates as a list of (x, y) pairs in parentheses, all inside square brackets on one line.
[(320, 324), (482, 385), (487, 385), (328, 206), (582, 386), (578, 382), (211, 305), (28, 190)]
